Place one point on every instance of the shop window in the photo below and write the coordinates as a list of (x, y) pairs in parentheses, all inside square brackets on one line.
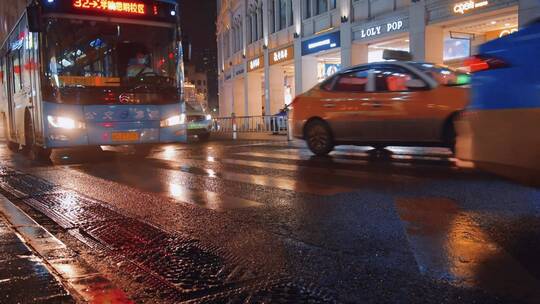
[(332, 4), (282, 14), (307, 9), (290, 12), (260, 24), (321, 6), (456, 48), (255, 28), (248, 31), (272, 12), (352, 82), (392, 79)]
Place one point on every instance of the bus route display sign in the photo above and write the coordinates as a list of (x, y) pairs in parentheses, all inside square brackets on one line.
[(154, 10), (129, 7)]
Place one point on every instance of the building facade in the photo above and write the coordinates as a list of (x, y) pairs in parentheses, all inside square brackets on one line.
[(271, 50), (199, 80)]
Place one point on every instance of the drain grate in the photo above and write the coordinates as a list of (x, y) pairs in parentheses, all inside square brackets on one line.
[(70, 210), (176, 267), (124, 233), (270, 291), (23, 185), (5, 171)]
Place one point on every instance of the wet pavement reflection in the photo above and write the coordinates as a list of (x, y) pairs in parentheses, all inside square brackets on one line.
[(448, 244), (366, 225)]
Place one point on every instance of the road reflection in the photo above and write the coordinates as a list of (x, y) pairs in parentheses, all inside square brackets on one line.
[(448, 244)]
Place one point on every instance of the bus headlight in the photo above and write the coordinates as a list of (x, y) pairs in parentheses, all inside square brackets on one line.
[(208, 117), (173, 121), (63, 122)]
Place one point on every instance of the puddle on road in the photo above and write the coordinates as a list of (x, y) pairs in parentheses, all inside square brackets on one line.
[(207, 199), (449, 245)]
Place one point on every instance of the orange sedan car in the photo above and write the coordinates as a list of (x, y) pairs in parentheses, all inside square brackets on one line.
[(382, 104)]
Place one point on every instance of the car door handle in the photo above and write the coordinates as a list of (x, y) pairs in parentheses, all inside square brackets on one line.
[(376, 104), (329, 105)]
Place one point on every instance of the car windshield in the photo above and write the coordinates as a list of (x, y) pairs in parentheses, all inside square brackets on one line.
[(194, 107), (444, 75), (89, 55)]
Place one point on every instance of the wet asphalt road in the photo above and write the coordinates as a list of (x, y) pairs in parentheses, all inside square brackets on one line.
[(406, 225)]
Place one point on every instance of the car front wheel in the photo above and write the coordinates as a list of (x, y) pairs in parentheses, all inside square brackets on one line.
[(319, 138)]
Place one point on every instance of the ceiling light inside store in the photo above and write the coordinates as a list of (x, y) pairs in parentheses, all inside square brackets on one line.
[(493, 22), (507, 24)]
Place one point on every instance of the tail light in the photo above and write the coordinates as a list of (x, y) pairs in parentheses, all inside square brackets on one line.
[(483, 62)]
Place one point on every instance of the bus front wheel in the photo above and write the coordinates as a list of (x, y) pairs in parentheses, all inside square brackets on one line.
[(34, 151), (142, 151), (13, 146)]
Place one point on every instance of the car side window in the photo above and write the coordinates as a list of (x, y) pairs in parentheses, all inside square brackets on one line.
[(327, 84), (352, 82), (392, 79)]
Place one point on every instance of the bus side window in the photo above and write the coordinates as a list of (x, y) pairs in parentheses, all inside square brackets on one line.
[(17, 71), (3, 76)]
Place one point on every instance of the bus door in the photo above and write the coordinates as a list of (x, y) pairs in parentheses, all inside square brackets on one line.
[(33, 83), (16, 94), (11, 132)]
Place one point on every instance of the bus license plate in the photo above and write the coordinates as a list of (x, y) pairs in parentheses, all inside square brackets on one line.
[(125, 136)]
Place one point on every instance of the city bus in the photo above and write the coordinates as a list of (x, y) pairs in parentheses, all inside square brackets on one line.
[(77, 73)]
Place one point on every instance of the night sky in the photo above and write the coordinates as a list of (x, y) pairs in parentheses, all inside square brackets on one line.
[(199, 26), (198, 20)]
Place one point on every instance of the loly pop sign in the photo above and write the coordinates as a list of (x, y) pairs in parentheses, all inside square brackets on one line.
[(380, 29)]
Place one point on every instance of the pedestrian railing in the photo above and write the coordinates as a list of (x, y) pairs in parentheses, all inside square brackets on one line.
[(269, 124)]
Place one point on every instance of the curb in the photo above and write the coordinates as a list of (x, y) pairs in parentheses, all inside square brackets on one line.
[(84, 283)]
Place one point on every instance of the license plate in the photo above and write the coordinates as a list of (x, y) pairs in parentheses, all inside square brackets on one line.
[(125, 136), (196, 126)]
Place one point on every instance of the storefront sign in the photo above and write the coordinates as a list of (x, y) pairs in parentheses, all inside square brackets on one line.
[(238, 69), (381, 29), (500, 33), (282, 55), (465, 7), (254, 64), (321, 43), (238, 72), (507, 32)]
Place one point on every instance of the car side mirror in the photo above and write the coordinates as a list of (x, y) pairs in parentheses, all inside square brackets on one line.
[(416, 84), (33, 13)]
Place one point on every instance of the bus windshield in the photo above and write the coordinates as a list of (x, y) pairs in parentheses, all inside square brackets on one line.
[(88, 57)]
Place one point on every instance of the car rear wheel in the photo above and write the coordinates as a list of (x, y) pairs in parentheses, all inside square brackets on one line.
[(319, 138), (450, 136)]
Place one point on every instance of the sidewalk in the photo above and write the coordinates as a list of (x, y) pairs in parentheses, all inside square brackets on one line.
[(23, 277)]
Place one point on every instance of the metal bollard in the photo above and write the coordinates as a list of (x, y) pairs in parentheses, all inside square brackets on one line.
[(234, 127), (289, 130)]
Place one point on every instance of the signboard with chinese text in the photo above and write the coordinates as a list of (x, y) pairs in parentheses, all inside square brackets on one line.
[(282, 55), (321, 43)]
